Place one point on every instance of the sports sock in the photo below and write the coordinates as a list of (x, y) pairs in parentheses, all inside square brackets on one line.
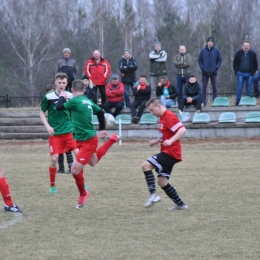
[(52, 172), (5, 191), (149, 177), (102, 150), (61, 161), (69, 159), (79, 179), (172, 194)]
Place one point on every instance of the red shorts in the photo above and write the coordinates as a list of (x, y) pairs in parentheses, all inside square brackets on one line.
[(86, 149), (58, 144)]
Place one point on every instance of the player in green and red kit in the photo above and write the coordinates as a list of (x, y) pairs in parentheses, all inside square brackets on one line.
[(58, 125), (171, 130), (6, 194), (82, 110)]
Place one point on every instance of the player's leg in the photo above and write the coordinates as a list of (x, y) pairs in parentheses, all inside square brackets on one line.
[(52, 172), (102, 150), (165, 165), (6, 194), (61, 163), (147, 168), (69, 160)]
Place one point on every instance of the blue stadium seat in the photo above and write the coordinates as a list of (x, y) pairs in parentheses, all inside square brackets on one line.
[(221, 102), (247, 101), (148, 119), (253, 117), (227, 117), (125, 119), (201, 118)]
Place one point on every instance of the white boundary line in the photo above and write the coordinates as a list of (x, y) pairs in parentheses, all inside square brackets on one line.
[(17, 217)]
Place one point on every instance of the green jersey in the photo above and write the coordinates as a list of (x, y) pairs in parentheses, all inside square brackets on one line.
[(60, 121), (82, 110)]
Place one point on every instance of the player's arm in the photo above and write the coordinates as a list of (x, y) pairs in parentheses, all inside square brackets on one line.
[(50, 130), (60, 103), (154, 141), (180, 132)]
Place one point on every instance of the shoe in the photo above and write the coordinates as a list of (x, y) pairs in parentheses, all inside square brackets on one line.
[(61, 171), (177, 207), (198, 111), (86, 186), (69, 171), (203, 104), (13, 209), (53, 189), (115, 137), (82, 200), (135, 119), (152, 199), (237, 103), (179, 112)]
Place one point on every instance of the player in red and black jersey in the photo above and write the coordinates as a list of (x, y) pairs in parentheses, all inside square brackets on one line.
[(171, 130)]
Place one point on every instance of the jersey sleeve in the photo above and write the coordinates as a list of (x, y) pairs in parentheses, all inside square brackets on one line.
[(96, 108), (69, 105), (173, 123), (44, 104)]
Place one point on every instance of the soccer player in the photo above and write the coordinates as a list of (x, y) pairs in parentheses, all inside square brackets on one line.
[(82, 110), (58, 125), (171, 130), (6, 194)]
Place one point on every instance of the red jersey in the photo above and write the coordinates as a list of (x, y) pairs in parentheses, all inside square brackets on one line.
[(168, 126)]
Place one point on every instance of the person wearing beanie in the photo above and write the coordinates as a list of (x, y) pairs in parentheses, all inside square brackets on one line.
[(127, 66), (67, 65), (90, 89), (209, 61), (158, 59), (191, 95)]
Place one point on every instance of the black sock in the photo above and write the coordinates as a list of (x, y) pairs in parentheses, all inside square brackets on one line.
[(60, 162), (149, 177), (172, 194), (69, 159)]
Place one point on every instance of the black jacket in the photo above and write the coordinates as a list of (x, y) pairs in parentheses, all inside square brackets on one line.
[(129, 72), (91, 93), (252, 59), (142, 94), (193, 91), (173, 93)]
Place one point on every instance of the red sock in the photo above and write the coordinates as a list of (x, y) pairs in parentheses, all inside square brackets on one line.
[(6, 194), (80, 182), (102, 150), (52, 172)]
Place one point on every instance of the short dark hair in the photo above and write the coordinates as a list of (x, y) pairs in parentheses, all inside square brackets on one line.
[(192, 76), (246, 41), (142, 76), (61, 76), (49, 88), (78, 85), (165, 78)]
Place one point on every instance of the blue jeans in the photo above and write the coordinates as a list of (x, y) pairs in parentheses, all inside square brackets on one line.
[(241, 78), (181, 81), (167, 102), (256, 79), (126, 94)]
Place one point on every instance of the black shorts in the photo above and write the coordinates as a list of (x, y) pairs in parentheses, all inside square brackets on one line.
[(163, 164)]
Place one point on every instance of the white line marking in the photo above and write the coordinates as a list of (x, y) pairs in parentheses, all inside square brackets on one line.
[(17, 217)]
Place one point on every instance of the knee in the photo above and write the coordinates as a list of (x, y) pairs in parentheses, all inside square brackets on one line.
[(146, 166), (162, 181), (54, 160)]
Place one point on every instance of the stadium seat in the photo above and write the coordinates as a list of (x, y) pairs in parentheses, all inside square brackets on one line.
[(253, 117), (201, 118), (95, 120), (125, 119), (247, 101), (227, 117), (148, 119), (221, 102)]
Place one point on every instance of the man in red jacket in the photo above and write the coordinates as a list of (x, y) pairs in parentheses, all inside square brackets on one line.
[(98, 71), (115, 96)]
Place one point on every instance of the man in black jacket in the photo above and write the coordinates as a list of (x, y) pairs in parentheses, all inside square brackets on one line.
[(191, 95), (127, 66), (245, 66), (167, 92)]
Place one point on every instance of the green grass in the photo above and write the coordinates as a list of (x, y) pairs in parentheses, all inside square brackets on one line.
[(219, 182)]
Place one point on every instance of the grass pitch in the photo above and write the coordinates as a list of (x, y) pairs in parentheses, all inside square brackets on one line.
[(219, 181)]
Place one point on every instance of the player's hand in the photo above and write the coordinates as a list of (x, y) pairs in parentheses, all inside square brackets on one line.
[(50, 130), (166, 143), (63, 94), (102, 134), (152, 142)]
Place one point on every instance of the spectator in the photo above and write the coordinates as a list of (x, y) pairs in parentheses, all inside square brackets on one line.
[(245, 65), (182, 61), (115, 96), (158, 59), (191, 95), (98, 70), (67, 65), (209, 61), (256, 79), (142, 92), (127, 66), (167, 92), (90, 89)]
